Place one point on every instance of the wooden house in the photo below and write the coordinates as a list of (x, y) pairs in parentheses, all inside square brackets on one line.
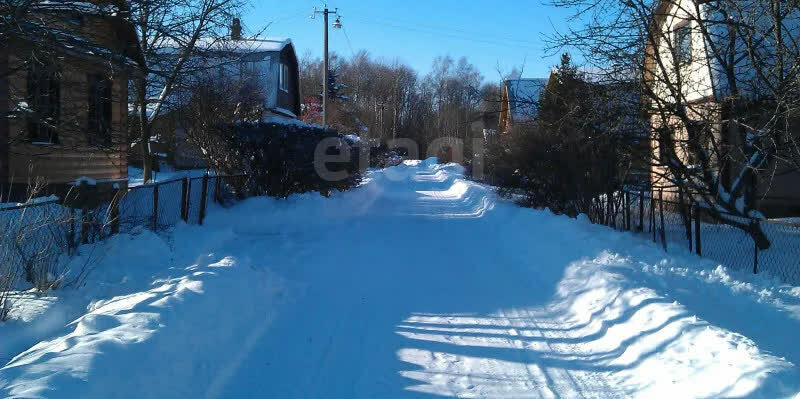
[(64, 94), (520, 102), (268, 64)]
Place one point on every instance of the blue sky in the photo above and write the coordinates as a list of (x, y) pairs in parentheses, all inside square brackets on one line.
[(489, 33)]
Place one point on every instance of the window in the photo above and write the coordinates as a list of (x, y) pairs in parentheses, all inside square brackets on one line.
[(284, 77), (665, 141), (99, 123), (683, 44), (698, 133), (44, 102), (248, 70)]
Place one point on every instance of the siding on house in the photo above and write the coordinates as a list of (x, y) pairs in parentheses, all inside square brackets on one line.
[(4, 122), (111, 51), (289, 100), (73, 156), (697, 84)]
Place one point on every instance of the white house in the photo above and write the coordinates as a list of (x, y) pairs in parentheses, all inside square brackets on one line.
[(697, 59)]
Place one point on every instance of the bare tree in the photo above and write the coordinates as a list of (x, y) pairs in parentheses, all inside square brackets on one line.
[(212, 102), (175, 36), (720, 80), (388, 100)]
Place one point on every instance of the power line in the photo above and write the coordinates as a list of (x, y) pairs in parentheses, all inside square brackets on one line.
[(458, 31), (353, 53), (450, 35)]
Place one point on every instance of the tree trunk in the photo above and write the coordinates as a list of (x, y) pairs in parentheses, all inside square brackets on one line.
[(144, 129)]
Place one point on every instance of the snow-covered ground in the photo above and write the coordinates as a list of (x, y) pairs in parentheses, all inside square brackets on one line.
[(416, 284)]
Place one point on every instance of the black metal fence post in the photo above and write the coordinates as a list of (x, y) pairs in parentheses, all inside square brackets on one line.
[(217, 199), (184, 202), (203, 190), (697, 246), (661, 210), (755, 250), (155, 207), (71, 233), (641, 210), (688, 210), (653, 214), (627, 211)]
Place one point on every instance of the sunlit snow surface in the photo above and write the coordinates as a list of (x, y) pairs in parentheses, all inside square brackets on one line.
[(418, 283)]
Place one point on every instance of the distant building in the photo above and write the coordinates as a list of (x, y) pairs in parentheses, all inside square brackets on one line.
[(520, 102)]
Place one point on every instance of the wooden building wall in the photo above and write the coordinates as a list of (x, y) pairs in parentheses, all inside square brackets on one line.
[(73, 156), (290, 100), (4, 122)]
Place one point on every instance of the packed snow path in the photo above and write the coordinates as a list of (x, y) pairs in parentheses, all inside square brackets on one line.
[(422, 284)]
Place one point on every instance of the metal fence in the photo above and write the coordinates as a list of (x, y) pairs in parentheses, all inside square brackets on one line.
[(159, 206), (50, 229), (673, 224)]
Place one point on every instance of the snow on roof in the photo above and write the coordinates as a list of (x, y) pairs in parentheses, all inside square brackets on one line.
[(73, 43), (265, 44), (83, 7), (251, 45), (523, 97)]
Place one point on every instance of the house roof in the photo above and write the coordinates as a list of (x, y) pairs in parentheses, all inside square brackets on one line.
[(523, 97), (71, 43), (247, 49), (246, 45), (268, 44), (34, 29), (83, 7)]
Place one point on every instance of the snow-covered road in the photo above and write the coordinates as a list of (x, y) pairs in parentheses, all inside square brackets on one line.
[(422, 284)]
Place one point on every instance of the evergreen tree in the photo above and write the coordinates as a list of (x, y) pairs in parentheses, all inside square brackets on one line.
[(335, 88), (566, 105)]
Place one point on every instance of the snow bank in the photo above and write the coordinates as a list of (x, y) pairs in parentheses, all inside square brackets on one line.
[(173, 323)]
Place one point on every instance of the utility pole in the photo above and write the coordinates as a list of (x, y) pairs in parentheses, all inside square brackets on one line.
[(336, 25), (379, 107)]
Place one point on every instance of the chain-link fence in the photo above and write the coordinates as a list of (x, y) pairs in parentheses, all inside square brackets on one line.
[(32, 239), (675, 224), (35, 235)]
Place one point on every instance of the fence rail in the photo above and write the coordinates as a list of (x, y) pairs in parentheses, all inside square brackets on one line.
[(674, 224)]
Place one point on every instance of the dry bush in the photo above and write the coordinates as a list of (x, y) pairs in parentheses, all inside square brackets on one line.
[(38, 238)]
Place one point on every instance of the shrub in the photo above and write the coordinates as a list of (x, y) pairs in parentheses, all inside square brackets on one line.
[(283, 159)]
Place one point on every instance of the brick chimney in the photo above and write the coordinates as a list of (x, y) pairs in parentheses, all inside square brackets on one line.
[(236, 29)]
